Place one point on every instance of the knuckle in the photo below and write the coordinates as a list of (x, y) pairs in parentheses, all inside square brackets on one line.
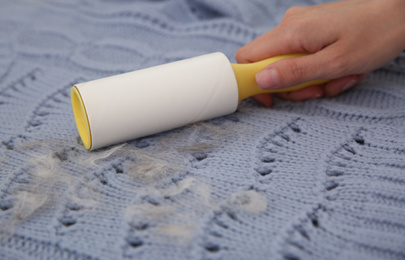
[(293, 28), (293, 38), (293, 11), (295, 72), (338, 66)]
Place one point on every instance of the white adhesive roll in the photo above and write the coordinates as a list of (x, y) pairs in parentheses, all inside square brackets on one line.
[(156, 99)]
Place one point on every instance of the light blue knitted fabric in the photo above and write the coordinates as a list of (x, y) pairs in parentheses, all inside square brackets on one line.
[(322, 179)]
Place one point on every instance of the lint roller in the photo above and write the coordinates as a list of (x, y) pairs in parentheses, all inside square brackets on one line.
[(148, 101)]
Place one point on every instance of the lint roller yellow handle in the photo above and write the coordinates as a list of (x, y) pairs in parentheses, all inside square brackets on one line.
[(149, 101), (245, 77)]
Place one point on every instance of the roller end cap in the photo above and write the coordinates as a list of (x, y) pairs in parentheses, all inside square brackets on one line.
[(80, 114)]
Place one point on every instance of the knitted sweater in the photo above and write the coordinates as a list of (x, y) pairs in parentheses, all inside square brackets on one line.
[(321, 179)]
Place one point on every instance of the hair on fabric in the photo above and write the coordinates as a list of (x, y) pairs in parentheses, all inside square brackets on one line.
[(179, 188), (178, 233), (45, 174), (203, 190), (49, 181), (92, 158), (249, 201), (28, 203), (209, 136), (152, 167)]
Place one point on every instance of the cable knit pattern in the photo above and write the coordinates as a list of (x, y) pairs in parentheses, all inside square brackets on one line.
[(322, 179)]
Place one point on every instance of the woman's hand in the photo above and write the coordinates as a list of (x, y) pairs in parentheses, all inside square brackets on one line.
[(346, 40)]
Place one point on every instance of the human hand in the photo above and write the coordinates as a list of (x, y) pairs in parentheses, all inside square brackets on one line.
[(346, 40)]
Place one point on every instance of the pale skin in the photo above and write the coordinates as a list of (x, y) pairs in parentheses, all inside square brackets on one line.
[(346, 40)]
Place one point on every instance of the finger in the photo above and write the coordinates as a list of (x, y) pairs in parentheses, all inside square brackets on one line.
[(337, 86), (264, 99), (325, 64), (311, 92), (272, 43)]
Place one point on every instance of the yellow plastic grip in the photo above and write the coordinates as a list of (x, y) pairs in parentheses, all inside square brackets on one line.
[(245, 77)]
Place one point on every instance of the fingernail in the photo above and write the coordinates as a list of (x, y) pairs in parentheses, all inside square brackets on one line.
[(349, 84), (268, 79)]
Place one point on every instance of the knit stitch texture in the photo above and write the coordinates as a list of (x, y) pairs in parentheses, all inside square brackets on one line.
[(321, 179)]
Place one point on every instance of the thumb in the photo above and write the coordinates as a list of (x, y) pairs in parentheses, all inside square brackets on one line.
[(294, 71)]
